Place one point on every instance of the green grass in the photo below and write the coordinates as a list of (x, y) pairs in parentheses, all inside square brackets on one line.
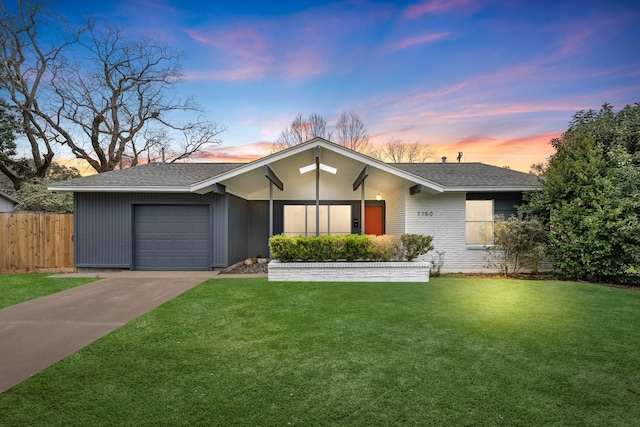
[(451, 352), (17, 288)]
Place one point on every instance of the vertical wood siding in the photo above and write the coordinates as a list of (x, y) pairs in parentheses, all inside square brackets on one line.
[(258, 228), (104, 225), (237, 225)]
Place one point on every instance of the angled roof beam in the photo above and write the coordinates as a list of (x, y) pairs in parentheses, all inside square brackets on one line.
[(416, 189), (271, 176), (219, 189), (360, 179)]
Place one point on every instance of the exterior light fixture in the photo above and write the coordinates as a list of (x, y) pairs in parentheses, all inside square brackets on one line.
[(378, 197), (323, 167), (306, 169)]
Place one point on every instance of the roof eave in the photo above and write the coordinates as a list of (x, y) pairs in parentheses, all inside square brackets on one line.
[(119, 189), (491, 188)]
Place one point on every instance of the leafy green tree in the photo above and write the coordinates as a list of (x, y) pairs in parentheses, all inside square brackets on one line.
[(590, 198), (34, 195), (14, 168)]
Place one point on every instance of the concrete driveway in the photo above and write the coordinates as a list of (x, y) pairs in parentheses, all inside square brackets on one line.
[(38, 333)]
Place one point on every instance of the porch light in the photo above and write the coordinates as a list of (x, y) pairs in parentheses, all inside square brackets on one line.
[(323, 167), (378, 197)]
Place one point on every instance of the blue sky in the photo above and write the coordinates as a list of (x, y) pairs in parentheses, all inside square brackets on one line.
[(493, 79)]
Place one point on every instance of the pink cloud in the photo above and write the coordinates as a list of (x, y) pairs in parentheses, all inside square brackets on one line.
[(435, 7), (251, 72), (380, 138), (580, 35), (518, 153), (236, 154), (238, 42), (300, 45), (414, 41)]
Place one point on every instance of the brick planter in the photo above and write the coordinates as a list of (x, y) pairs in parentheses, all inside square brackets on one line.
[(416, 271)]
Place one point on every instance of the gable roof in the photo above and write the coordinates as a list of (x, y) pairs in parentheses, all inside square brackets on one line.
[(155, 177), (200, 177), (318, 142), (473, 176)]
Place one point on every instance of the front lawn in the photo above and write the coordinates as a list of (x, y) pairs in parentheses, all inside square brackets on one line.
[(450, 352), (17, 288)]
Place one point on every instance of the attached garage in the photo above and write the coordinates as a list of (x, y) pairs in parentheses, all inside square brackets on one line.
[(172, 237)]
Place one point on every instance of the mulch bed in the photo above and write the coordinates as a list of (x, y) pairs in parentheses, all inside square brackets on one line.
[(254, 268)]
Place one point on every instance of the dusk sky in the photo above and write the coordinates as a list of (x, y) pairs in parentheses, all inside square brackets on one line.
[(493, 79)]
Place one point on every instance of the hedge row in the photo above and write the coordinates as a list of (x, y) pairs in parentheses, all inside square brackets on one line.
[(349, 247)]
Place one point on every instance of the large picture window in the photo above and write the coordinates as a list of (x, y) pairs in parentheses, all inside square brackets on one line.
[(479, 222), (300, 220)]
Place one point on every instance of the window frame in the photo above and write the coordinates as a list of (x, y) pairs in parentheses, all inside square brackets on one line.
[(490, 241), (310, 221)]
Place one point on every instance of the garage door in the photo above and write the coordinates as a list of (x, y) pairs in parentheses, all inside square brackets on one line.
[(172, 237)]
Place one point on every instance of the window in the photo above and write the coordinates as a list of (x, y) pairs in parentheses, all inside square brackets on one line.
[(300, 220), (479, 222)]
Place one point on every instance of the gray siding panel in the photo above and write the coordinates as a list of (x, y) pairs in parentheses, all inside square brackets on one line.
[(219, 231), (258, 228), (103, 230), (6, 205), (237, 229), (103, 233)]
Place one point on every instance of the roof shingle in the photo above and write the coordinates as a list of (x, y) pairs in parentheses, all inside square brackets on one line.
[(183, 175), (469, 174)]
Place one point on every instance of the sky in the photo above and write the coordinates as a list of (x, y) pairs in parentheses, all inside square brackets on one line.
[(496, 80)]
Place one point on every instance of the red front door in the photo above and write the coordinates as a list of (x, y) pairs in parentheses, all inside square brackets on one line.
[(374, 220)]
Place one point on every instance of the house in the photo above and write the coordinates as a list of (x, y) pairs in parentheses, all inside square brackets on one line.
[(7, 203), (196, 216)]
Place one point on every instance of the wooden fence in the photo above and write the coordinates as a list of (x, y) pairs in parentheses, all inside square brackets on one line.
[(36, 241)]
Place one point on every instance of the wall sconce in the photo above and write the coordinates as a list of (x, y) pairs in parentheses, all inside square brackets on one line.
[(378, 197)]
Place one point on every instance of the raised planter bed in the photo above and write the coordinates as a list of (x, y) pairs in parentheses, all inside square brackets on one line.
[(416, 271)]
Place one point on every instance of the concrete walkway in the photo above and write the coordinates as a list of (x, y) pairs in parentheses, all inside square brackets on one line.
[(40, 332)]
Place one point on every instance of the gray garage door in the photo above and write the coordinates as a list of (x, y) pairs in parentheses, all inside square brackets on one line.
[(172, 237)]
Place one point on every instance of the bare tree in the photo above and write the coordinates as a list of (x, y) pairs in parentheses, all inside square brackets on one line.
[(351, 132), (398, 151), (121, 101), (25, 64), (301, 131), (109, 99)]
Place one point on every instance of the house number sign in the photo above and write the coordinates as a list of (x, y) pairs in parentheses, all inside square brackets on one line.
[(425, 213)]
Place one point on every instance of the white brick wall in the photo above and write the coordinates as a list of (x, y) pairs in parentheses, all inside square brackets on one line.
[(443, 217), (395, 212), (348, 271)]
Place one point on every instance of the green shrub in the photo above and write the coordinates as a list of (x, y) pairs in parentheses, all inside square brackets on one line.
[(519, 243), (283, 248), (349, 247), (416, 245), (387, 248), (318, 248), (356, 247)]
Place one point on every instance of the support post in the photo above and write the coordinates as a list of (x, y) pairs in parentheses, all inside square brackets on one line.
[(317, 190), (362, 208)]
